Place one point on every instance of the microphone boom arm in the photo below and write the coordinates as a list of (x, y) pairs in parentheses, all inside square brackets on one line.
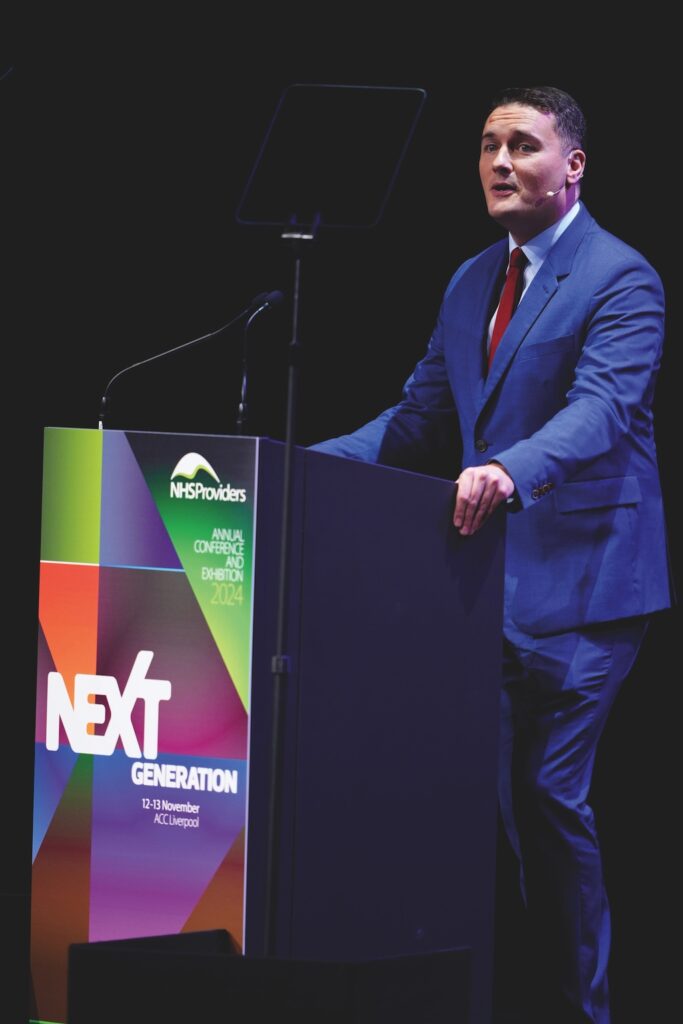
[(263, 301)]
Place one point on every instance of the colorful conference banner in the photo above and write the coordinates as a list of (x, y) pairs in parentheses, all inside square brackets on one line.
[(145, 633)]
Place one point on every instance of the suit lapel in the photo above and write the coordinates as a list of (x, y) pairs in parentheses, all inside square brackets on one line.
[(537, 296), (557, 264), (480, 291)]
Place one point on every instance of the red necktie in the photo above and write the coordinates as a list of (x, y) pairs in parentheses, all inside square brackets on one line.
[(509, 299)]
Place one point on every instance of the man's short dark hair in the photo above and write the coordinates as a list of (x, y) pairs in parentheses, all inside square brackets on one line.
[(569, 120)]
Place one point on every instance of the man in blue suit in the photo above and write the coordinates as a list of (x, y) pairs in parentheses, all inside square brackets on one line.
[(552, 407)]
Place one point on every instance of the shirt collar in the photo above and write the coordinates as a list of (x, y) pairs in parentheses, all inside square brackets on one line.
[(537, 248)]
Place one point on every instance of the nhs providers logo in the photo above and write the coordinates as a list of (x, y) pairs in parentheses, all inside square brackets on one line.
[(190, 489)]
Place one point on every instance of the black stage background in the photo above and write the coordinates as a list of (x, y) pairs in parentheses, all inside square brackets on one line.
[(127, 147)]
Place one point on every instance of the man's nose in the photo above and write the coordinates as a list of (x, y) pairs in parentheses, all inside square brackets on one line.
[(501, 160)]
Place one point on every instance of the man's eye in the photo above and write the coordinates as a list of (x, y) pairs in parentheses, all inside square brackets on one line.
[(489, 147), (525, 147)]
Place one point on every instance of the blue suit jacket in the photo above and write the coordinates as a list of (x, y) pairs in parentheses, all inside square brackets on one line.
[(566, 408)]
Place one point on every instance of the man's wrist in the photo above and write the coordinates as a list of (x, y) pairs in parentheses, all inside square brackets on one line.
[(513, 497)]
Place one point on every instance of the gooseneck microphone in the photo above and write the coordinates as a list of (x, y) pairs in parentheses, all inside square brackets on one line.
[(264, 302), (260, 303)]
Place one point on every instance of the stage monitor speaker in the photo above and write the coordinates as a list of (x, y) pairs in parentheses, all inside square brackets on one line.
[(193, 978)]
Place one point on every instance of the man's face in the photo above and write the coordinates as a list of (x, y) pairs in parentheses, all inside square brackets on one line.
[(522, 159)]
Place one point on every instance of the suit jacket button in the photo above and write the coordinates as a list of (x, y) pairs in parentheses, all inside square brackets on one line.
[(535, 493), (481, 445), (545, 488)]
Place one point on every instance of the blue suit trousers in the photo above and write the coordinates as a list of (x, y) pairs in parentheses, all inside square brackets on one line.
[(557, 693)]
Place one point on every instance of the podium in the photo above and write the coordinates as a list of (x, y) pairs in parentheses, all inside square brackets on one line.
[(158, 604)]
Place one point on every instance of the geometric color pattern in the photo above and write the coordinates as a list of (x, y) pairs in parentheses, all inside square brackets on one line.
[(130, 564)]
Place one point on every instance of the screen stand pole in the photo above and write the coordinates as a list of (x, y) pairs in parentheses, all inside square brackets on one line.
[(280, 662)]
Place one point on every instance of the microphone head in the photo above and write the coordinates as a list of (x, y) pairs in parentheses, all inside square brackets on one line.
[(551, 194), (264, 299)]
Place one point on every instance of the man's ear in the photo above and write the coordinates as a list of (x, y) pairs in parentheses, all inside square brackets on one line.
[(576, 166)]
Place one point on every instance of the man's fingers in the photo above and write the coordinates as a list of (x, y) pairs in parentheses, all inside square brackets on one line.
[(477, 511), (490, 500), (464, 483), (481, 489), (472, 507), (470, 489)]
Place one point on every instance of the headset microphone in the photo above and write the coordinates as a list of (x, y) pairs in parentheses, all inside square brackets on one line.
[(551, 195)]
